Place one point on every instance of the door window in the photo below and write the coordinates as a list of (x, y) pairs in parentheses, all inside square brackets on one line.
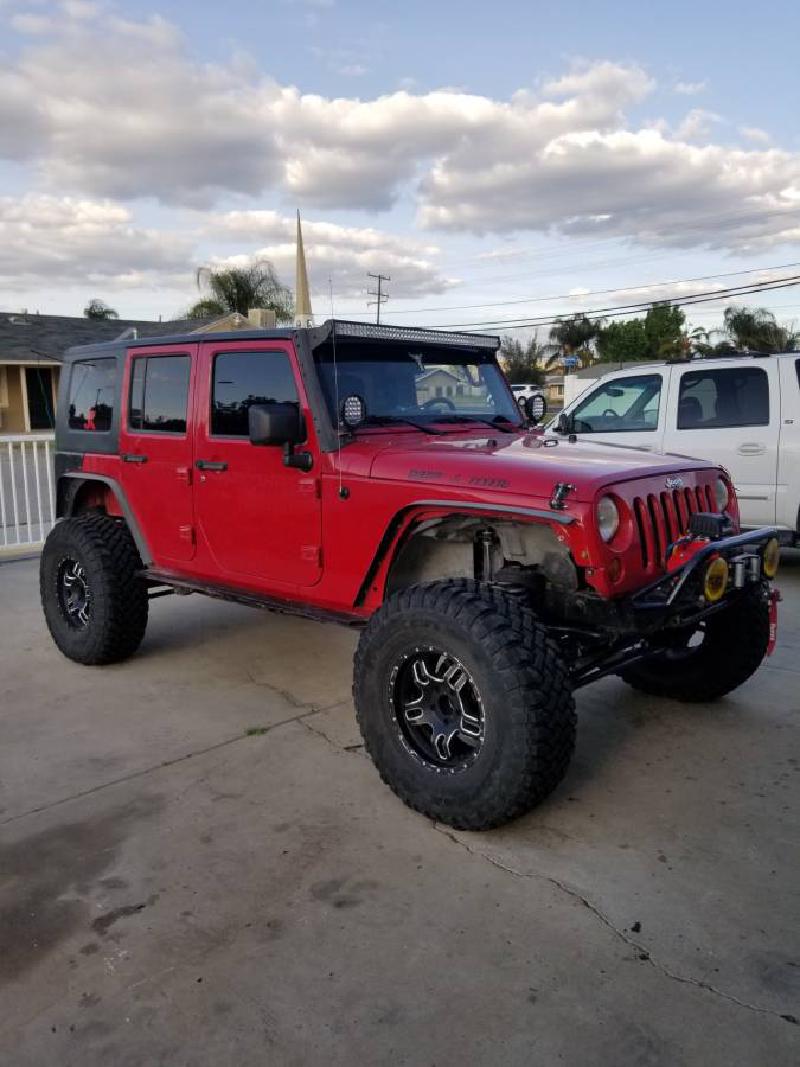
[(714, 399), (159, 394), (241, 379), (621, 405)]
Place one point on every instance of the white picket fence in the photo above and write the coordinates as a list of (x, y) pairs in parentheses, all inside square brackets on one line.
[(27, 502)]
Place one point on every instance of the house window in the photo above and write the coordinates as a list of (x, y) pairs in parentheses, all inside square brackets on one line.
[(91, 395), (245, 378), (159, 394)]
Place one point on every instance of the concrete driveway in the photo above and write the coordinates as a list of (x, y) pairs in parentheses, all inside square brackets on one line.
[(199, 866)]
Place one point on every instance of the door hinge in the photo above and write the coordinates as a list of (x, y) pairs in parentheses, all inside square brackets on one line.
[(311, 554), (185, 474), (186, 533)]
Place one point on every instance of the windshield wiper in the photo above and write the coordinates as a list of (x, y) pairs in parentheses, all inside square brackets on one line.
[(495, 422), (391, 420)]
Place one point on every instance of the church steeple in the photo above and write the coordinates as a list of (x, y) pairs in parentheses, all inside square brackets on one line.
[(303, 315)]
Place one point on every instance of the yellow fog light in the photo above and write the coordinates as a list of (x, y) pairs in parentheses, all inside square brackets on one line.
[(716, 580), (772, 557)]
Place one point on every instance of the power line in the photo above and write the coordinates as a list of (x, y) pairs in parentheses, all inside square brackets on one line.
[(380, 296), (731, 292)]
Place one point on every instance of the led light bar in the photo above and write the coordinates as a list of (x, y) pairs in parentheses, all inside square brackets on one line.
[(417, 335)]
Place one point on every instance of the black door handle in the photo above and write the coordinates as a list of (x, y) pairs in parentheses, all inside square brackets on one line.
[(209, 465), (133, 457)]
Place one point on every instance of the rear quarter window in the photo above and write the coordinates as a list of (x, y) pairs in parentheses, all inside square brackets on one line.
[(92, 389)]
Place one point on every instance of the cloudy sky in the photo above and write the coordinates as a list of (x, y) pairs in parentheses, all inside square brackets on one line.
[(496, 161)]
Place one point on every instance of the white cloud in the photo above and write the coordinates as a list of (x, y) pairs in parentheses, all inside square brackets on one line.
[(755, 134), (562, 159), (64, 241), (342, 253), (690, 88)]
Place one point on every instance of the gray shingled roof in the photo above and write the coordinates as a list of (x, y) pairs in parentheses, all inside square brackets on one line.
[(29, 337)]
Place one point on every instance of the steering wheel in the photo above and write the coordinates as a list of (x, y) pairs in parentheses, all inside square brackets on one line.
[(439, 400), (610, 413)]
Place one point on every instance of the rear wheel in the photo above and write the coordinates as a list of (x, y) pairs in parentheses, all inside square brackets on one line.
[(464, 703), (711, 659), (95, 605)]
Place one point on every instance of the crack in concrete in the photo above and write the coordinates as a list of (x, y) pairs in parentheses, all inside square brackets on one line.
[(643, 952), (154, 767)]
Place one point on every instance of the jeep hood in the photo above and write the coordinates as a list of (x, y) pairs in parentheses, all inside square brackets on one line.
[(522, 463)]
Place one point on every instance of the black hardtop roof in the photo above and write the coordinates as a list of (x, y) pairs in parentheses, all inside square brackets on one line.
[(344, 330)]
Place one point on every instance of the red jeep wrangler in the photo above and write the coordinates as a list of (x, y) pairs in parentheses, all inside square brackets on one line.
[(384, 477)]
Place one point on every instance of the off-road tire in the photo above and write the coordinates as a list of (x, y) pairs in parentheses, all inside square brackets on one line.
[(732, 650), (117, 619), (524, 687)]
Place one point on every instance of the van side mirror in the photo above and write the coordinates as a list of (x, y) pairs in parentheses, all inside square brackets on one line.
[(275, 424), (565, 424)]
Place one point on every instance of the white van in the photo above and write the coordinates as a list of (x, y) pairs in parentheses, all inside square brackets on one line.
[(740, 411)]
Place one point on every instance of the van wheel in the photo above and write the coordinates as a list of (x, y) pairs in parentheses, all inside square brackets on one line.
[(711, 660), (94, 604), (464, 703)]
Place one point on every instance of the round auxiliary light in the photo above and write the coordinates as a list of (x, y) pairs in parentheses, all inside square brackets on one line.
[(354, 411), (771, 558), (607, 517), (722, 494), (715, 581)]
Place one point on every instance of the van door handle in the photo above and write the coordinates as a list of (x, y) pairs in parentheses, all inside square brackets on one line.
[(133, 457), (210, 465), (751, 448)]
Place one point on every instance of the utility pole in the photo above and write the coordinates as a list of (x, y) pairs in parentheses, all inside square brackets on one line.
[(380, 296)]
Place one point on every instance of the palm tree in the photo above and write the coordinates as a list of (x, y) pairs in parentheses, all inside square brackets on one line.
[(755, 330), (572, 336), (99, 309), (240, 289)]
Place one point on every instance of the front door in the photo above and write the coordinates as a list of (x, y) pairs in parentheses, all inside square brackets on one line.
[(731, 416), (258, 518), (156, 448), (628, 410)]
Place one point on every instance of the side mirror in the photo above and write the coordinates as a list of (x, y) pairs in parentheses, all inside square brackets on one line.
[(565, 424), (275, 424), (534, 408)]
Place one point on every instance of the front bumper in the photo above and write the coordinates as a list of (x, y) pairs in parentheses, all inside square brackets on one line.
[(680, 591)]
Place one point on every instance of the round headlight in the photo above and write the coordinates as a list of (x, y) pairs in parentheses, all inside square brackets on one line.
[(722, 494), (771, 558), (607, 517), (715, 581)]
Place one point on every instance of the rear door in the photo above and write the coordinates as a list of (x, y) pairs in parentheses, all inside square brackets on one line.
[(625, 410), (259, 518), (156, 447), (731, 416)]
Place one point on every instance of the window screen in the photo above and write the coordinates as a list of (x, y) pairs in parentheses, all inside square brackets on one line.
[(91, 395), (159, 394), (621, 405), (715, 399), (245, 378)]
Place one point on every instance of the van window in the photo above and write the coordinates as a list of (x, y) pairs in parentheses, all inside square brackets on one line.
[(245, 378), (715, 399), (91, 395), (159, 394), (621, 405)]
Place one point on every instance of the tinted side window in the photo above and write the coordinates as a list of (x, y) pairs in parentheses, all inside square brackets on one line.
[(91, 395), (244, 378), (159, 394), (621, 405), (714, 399)]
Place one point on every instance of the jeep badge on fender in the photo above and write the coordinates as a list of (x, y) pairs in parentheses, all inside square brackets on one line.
[(385, 478)]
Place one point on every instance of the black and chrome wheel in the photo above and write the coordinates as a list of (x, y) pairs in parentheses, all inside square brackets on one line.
[(463, 702), (95, 603)]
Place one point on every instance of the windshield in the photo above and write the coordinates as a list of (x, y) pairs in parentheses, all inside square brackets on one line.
[(432, 385)]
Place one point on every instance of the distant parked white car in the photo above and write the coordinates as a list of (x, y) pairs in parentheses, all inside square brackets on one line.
[(739, 411)]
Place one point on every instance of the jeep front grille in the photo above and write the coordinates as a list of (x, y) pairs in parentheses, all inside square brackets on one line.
[(663, 518)]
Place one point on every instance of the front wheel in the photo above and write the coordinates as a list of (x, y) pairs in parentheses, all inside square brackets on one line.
[(464, 703), (712, 659)]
